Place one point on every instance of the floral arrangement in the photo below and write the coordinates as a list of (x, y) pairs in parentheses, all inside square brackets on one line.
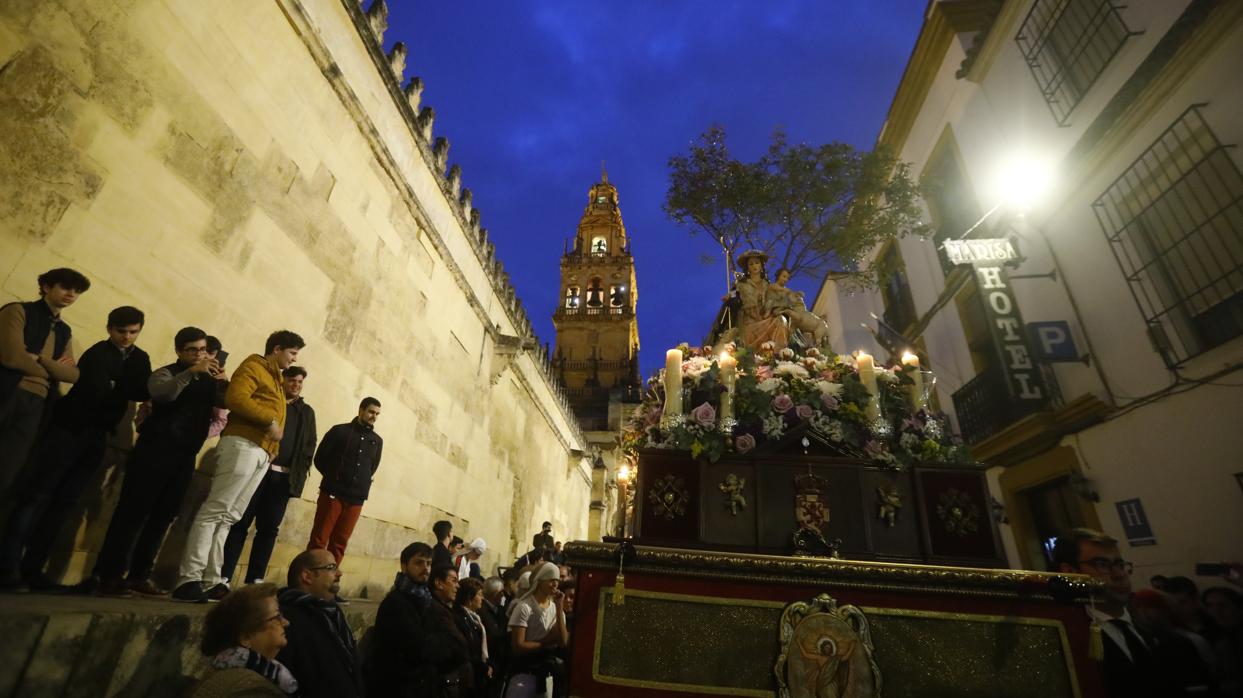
[(776, 391)]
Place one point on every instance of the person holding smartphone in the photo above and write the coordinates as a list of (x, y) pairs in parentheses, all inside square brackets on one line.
[(160, 467)]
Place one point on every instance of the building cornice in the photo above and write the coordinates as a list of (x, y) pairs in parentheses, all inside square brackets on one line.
[(922, 67)]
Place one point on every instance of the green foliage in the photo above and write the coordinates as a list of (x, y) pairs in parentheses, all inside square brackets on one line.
[(813, 209)]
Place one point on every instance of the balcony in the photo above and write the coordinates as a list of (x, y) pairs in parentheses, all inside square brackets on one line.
[(985, 408)]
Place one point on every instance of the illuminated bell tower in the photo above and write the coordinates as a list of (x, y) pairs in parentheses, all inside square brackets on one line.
[(597, 351)]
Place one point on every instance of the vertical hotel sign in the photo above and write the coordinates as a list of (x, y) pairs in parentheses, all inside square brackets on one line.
[(987, 258)]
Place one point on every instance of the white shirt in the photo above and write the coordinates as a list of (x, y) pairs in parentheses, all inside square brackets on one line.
[(538, 621), (1114, 632)]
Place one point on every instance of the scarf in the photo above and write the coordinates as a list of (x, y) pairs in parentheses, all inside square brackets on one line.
[(270, 669), (420, 592), (483, 632)]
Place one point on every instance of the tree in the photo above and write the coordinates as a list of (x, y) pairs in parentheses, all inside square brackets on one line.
[(811, 209)]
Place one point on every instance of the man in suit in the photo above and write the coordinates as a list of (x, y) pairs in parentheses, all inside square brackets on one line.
[(1130, 667)]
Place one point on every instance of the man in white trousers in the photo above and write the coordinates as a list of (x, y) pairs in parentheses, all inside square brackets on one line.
[(256, 403)]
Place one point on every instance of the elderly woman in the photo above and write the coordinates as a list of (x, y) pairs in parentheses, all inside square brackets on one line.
[(537, 629), (466, 607), (242, 635), (760, 321)]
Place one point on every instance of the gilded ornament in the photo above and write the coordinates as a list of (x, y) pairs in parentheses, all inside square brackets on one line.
[(669, 496), (958, 513), (826, 652), (890, 502), (732, 487)]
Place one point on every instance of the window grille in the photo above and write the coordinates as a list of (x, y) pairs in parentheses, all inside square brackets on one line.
[(1067, 44), (1174, 221)]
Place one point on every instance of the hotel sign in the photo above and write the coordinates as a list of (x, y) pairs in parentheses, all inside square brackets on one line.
[(988, 257), (986, 250)]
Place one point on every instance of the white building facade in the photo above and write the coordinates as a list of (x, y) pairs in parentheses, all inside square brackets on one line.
[(1097, 371)]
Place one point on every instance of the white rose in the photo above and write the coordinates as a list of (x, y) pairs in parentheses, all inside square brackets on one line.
[(787, 368)]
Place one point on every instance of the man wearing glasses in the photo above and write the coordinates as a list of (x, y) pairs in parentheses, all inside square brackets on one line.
[(321, 652), (1128, 667), (160, 467)]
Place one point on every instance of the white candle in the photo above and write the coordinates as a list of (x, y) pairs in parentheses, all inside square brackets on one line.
[(867, 376), (729, 372), (917, 390), (673, 383)]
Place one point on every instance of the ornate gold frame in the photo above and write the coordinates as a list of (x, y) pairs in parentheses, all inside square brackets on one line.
[(876, 576), (988, 618), (686, 687)]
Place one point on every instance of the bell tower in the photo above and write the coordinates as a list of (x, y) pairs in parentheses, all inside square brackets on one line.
[(597, 352)]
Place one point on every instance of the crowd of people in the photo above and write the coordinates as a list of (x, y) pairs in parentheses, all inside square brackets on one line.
[(436, 634), (51, 445), (1169, 639)]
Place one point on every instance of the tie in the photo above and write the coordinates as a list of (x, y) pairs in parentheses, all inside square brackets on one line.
[(1139, 651)]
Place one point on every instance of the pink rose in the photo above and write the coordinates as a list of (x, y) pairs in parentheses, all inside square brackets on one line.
[(744, 443), (787, 353), (804, 412), (782, 404), (830, 403), (704, 415), (763, 372), (812, 352)]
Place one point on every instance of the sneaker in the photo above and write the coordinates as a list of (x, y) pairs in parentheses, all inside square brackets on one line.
[(146, 587), (88, 586), (115, 588), (39, 583), (13, 582), (190, 592), (217, 592), (340, 601)]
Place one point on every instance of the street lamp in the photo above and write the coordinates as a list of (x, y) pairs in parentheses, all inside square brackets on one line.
[(1023, 178)]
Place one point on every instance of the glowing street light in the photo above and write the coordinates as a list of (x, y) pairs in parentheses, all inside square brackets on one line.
[(1023, 178)]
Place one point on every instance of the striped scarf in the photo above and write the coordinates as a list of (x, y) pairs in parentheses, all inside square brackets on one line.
[(270, 669)]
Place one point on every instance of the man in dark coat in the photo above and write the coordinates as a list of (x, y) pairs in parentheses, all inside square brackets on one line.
[(321, 652), (348, 458), (406, 647), (441, 554), (159, 470), (456, 674), (285, 479), (112, 373)]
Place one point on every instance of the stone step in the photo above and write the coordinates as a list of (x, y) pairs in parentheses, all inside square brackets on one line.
[(86, 647)]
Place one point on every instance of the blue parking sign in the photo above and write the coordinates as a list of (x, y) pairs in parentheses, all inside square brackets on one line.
[(1052, 341)]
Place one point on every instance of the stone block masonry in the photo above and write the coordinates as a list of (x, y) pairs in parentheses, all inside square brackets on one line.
[(246, 167)]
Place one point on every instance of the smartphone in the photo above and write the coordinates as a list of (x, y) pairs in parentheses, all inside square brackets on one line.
[(1211, 569), (221, 357)]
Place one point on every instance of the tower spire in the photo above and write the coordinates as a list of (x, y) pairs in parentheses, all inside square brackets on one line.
[(604, 173)]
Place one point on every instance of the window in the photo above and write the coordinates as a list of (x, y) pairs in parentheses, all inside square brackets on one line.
[(950, 200), (595, 293), (1174, 221), (1067, 44), (572, 297), (599, 245), (895, 291), (617, 296)]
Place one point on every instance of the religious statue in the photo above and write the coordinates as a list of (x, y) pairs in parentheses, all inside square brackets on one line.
[(890, 501), (788, 302), (760, 322), (732, 489)]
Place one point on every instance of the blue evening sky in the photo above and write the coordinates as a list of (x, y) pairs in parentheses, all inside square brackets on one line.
[(533, 94)]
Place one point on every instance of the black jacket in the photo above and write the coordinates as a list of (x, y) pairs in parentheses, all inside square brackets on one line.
[(183, 423), (108, 380), (321, 653), (496, 624), (456, 669), (348, 457), (298, 444), (407, 649)]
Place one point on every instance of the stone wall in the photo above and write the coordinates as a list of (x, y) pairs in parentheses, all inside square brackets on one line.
[(252, 166)]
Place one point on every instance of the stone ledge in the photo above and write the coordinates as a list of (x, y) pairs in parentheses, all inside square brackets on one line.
[(58, 645)]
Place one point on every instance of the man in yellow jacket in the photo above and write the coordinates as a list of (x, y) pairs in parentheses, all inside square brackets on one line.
[(256, 403)]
